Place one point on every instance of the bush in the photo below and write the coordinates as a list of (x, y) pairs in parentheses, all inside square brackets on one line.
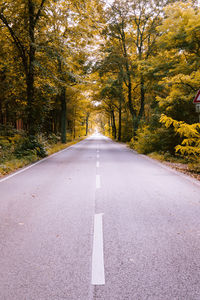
[(53, 138), (7, 130), (4, 143), (30, 146), (158, 140)]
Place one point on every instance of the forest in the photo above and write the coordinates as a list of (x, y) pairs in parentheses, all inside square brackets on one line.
[(127, 68)]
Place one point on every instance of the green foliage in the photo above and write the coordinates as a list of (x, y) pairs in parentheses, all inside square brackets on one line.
[(53, 138), (30, 145), (4, 143), (159, 140), (9, 137)]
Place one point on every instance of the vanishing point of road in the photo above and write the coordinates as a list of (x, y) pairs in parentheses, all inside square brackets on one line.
[(99, 221)]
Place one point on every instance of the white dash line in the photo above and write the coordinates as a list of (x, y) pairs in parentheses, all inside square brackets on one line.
[(98, 182), (97, 151), (98, 273), (97, 165), (97, 155)]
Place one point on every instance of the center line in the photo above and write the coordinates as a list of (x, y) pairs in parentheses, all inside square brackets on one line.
[(98, 182), (97, 165), (97, 155), (98, 274)]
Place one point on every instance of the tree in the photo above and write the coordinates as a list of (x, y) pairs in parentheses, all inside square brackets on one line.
[(24, 39), (181, 42), (132, 25)]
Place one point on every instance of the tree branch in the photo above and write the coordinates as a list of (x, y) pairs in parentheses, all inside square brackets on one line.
[(16, 40), (39, 12)]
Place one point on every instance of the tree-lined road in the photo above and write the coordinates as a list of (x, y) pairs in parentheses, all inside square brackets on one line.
[(98, 221)]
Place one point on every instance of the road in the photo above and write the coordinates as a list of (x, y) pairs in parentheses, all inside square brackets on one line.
[(99, 221)]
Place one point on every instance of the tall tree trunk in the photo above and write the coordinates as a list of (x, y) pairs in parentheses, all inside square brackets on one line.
[(129, 83), (62, 97), (120, 79), (74, 123), (87, 123), (142, 99), (1, 113), (31, 114), (114, 130), (138, 118), (63, 115), (109, 126), (120, 119)]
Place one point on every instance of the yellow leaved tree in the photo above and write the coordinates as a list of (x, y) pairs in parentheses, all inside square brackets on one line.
[(190, 145)]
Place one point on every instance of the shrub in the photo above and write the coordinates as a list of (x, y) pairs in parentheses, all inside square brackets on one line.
[(4, 143), (53, 138), (30, 146), (158, 140)]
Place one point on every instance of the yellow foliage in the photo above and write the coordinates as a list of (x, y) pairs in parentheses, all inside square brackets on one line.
[(190, 145)]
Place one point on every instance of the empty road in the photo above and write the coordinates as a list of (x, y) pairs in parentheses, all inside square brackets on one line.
[(99, 221)]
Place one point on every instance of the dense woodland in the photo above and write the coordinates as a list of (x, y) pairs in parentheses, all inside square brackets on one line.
[(129, 68)]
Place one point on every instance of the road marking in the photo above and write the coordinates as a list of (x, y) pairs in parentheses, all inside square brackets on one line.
[(97, 155), (23, 170), (98, 274), (97, 151), (97, 165), (98, 182)]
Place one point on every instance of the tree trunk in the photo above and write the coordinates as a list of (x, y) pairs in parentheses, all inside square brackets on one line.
[(142, 99), (87, 123), (114, 131), (129, 83), (63, 115), (1, 113), (120, 79), (31, 114), (62, 97), (74, 123), (120, 119), (137, 119), (74, 129), (109, 125)]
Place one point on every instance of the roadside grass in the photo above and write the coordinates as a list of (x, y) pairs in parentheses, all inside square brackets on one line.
[(168, 157), (12, 163)]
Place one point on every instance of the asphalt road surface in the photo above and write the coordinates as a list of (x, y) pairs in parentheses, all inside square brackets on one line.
[(98, 221)]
